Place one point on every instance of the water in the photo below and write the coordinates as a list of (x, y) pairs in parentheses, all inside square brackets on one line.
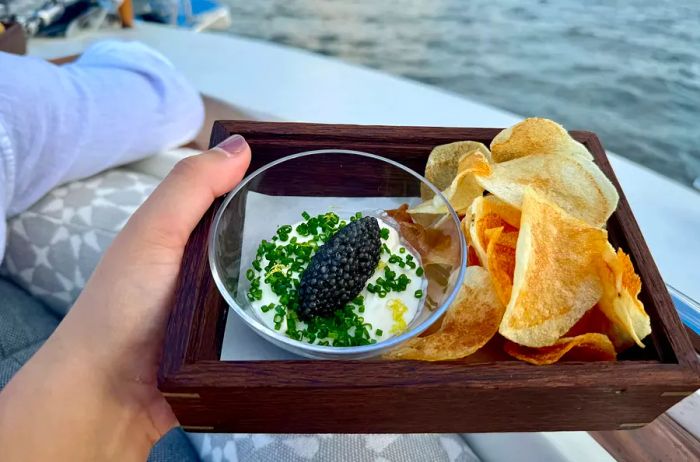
[(628, 70)]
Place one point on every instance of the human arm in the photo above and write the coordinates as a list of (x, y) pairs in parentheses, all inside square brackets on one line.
[(118, 102)]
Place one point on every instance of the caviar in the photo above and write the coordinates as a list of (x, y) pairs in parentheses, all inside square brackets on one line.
[(339, 270)]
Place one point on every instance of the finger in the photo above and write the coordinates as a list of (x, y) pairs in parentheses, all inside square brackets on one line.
[(179, 202)]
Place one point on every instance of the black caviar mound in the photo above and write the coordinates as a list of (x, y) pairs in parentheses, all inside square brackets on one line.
[(339, 270)]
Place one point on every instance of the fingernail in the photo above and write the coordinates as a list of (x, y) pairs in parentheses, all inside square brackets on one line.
[(233, 145)]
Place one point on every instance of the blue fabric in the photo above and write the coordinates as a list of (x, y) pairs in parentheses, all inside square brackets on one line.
[(25, 323), (173, 446)]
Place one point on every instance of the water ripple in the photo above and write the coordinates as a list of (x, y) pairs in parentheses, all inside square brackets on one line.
[(629, 71)]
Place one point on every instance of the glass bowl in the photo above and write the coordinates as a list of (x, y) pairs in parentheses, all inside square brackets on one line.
[(336, 180)]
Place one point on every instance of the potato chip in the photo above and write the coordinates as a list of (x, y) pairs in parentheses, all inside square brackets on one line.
[(595, 321), (488, 212), (460, 194), (435, 243), (470, 322), (472, 258), (574, 184), (620, 301), (585, 347), (556, 276), (474, 162), (463, 189), (500, 260), (400, 214), (535, 136), (441, 167)]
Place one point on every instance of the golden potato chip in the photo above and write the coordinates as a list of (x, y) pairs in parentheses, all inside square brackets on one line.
[(460, 194), (441, 167), (556, 276), (595, 321), (465, 225), (472, 258), (585, 347), (463, 189), (474, 162), (488, 212), (506, 238), (469, 323), (535, 136), (500, 260), (620, 302), (576, 185)]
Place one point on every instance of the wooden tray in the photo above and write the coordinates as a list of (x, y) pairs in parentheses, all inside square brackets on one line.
[(307, 396)]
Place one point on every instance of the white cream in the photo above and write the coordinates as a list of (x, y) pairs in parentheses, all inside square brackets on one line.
[(379, 312)]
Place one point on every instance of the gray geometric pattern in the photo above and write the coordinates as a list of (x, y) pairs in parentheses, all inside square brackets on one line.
[(331, 447), (53, 248)]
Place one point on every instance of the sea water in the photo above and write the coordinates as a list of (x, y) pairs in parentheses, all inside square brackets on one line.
[(629, 71)]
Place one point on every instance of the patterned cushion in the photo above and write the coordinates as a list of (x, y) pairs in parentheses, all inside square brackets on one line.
[(53, 247), (331, 447)]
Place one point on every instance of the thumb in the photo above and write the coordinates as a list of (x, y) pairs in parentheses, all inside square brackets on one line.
[(170, 214)]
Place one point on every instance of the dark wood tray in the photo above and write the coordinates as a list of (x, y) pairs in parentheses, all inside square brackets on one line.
[(307, 396)]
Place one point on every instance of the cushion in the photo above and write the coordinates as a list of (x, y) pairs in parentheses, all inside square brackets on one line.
[(53, 247), (327, 447)]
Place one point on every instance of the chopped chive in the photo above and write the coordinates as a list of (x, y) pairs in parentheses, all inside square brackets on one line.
[(419, 271), (379, 332), (418, 293), (305, 215), (402, 250), (384, 233)]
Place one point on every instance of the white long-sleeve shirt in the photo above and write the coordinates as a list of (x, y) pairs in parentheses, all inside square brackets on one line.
[(119, 102)]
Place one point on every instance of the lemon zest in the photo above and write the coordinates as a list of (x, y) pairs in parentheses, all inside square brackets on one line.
[(398, 310)]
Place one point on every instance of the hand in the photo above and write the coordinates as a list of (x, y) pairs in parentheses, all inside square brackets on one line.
[(90, 392)]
